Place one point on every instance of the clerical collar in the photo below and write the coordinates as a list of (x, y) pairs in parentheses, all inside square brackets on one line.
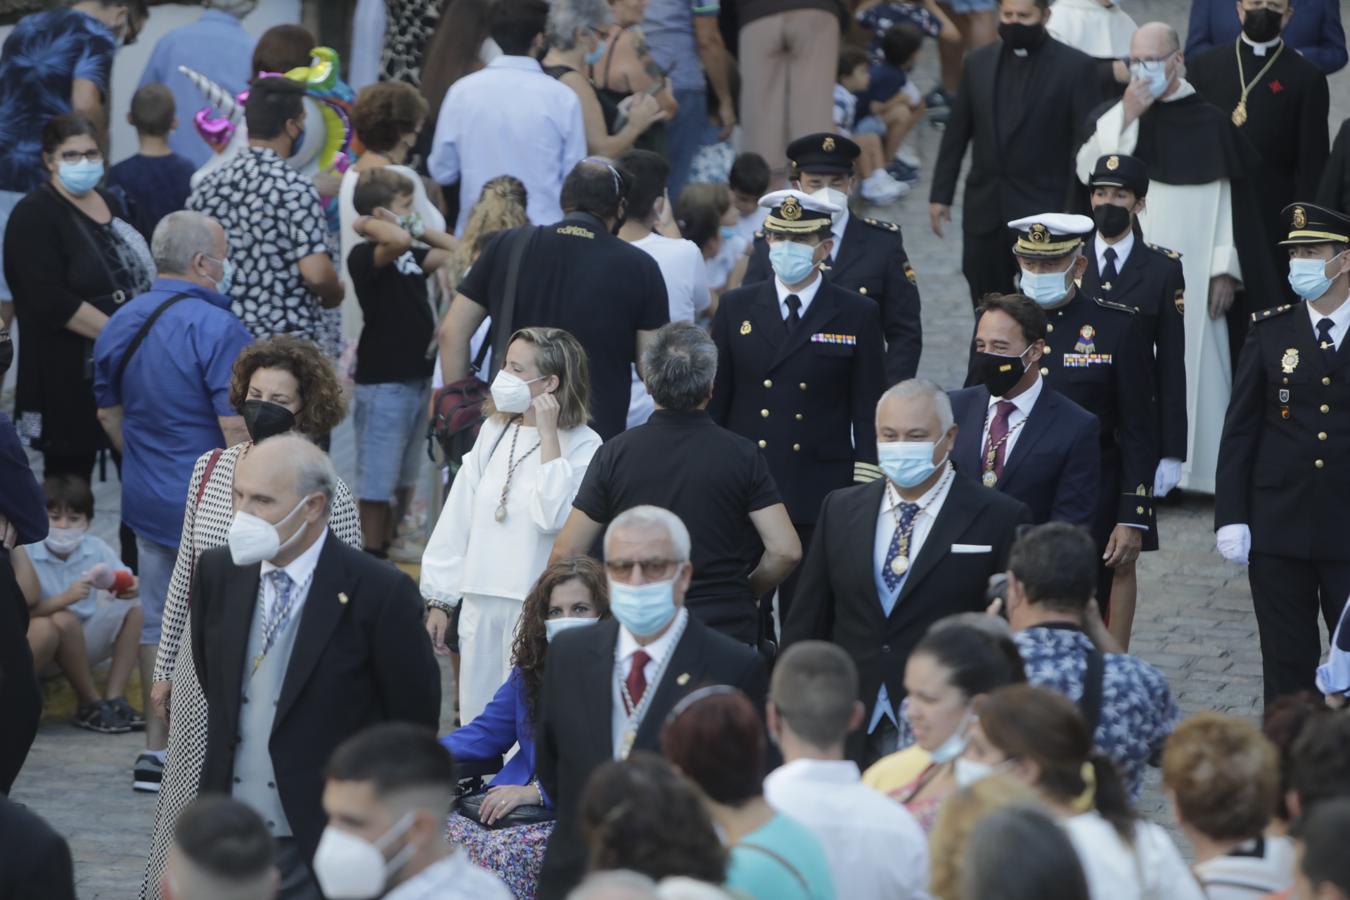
[(1184, 90), (1262, 48)]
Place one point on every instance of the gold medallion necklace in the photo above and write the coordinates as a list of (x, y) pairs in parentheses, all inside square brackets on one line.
[(1240, 111)]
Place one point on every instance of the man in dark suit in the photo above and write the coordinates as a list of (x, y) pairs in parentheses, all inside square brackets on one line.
[(34, 860), (890, 558), (868, 255), (1124, 269), (608, 688), (299, 643), (1314, 30), (1021, 101), (1016, 434), (799, 366), (1283, 481)]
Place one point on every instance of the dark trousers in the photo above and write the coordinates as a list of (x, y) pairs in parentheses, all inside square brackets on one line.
[(1287, 595), (20, 698), (297, 882), (82, 466), (988, 263), (785, 590)]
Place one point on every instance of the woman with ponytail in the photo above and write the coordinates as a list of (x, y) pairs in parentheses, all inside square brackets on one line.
[(1039, 737)]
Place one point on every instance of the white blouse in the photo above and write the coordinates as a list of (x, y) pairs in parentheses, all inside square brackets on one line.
[(1152, 869), (470, 552)]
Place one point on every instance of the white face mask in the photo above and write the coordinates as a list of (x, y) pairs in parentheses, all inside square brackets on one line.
[(253, 540), (969, 771), (63, 541), (511, 393), (554, 627), (835, 196), (350, 868), (954, 745)]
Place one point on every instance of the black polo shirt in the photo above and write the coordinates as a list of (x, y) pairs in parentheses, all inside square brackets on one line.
[(712, 479), (579, 277)]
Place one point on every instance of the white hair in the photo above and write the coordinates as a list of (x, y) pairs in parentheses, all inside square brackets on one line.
[(236, 8), (922, 387), (621, 884), (648, 518), (314, 472), (177, 240)]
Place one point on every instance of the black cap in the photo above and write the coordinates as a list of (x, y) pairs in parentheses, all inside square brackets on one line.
[(823, 152), (1313, 224), (1120, 171)]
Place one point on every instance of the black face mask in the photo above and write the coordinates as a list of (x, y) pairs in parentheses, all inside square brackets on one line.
[(1021, 37), (998, 373), (1262, 25), (1112, 221), (265, 419), (6, 351)]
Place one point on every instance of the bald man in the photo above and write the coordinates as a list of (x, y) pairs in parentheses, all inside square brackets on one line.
[(300, 642)]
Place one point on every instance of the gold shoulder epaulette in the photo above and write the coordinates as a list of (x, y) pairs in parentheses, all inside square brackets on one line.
[(1166, 251), (1262, 314), (878, 223)]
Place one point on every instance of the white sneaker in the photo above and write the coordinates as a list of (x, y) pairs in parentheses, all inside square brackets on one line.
[(907, 156), (881, 188)]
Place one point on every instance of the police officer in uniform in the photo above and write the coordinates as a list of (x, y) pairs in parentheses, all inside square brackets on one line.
[(1124, 269), (867, 256), (1097, 357), (1282, 495), (800, 366)]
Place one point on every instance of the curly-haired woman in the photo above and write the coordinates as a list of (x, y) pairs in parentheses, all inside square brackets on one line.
[(279, 384), (572, 592)]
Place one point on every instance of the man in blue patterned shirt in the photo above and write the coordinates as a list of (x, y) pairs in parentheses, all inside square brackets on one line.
[(1052, 575)]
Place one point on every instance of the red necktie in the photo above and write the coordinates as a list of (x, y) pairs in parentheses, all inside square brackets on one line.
[(998, 431), (637, 678)]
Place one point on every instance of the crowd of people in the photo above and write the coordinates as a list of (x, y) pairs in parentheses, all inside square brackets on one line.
[(732, 602)]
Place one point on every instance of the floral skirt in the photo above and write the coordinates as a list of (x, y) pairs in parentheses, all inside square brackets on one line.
[(515, 855)]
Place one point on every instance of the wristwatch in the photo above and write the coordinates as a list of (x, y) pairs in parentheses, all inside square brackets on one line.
[(441, 605)]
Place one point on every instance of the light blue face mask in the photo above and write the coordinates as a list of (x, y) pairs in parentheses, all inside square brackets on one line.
[(1308, 277), (954, 745), (597, 54), (1046, 288), (643, 609), (554, 627), (908, 463), (792, 262), (728, 232), (226, 275), (1153, 71), (80, 177)]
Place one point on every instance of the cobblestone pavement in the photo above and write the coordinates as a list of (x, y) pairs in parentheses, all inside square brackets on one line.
[(1194, 616)]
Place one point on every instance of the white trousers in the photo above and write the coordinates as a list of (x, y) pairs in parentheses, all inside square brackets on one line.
[(487, 628)]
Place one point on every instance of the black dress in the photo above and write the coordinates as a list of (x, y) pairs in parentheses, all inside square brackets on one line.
[(56, 258)]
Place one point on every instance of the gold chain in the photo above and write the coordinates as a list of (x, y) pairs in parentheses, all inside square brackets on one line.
[(1240, 111)]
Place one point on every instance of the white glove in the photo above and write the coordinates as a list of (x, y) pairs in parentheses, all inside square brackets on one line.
[(1167, 477), (1235, 542)]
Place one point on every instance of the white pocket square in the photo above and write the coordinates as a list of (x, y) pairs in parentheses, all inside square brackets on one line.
[(972, 548)]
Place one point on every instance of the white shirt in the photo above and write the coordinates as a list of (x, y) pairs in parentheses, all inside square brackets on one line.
[(1023, 404), (509, 118), (806, 295), (657, 651), (301, 572), (875, 848), (452, 878), (749, 226), (837, 232), (1262, 48), (1122, 248), (1150, 870), (1340, 320), (683, 271)]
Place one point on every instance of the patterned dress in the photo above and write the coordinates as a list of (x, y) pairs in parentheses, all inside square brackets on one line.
[(206, 526)]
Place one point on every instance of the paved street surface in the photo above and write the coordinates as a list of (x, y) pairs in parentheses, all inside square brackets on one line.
[(1194, 616)]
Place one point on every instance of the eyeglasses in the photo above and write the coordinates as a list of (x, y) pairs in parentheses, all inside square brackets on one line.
[(1132, 60), (73, 156), (652, 569)]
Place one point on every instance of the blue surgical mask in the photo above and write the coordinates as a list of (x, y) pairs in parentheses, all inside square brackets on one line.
[(728, 232), (953, 746), (792, 262), (1046, 288), (1308, 277), (80, 177), (226, 275), (597, 54), (552, 627), (907, 463), (1153, 71), (644, 609)]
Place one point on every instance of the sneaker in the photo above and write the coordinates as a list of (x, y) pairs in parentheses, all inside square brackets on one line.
[(937, 99), (902, 172), (907, 156), (128, 713), (101, 717), (881, 188), (407, 549), (147, 773)]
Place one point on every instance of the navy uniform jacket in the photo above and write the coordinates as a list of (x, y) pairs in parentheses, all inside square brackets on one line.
[(807, 399), (1055, 464), (871, 260), (1098, 359), (1284, 459), (1151, 281)]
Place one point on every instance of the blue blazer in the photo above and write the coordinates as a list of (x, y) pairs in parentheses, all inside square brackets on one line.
[(504, 722), (1315, 30), (1055, 465)]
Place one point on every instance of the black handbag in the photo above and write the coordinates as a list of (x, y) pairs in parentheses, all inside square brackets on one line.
[(526, 814)]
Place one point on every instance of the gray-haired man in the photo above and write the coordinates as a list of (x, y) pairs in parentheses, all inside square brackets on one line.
[(309, 642), (162, 384), (715, 480)]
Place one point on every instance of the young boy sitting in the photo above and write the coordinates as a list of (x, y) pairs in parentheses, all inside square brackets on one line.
[(396, 352), (893, 103), (68, 626), (156, 181), (878, 186)]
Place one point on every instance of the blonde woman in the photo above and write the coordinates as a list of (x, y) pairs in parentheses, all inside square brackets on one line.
[(961, 812), (508, 501)]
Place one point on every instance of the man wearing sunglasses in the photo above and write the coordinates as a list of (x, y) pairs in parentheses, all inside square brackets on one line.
[(609, 688)]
